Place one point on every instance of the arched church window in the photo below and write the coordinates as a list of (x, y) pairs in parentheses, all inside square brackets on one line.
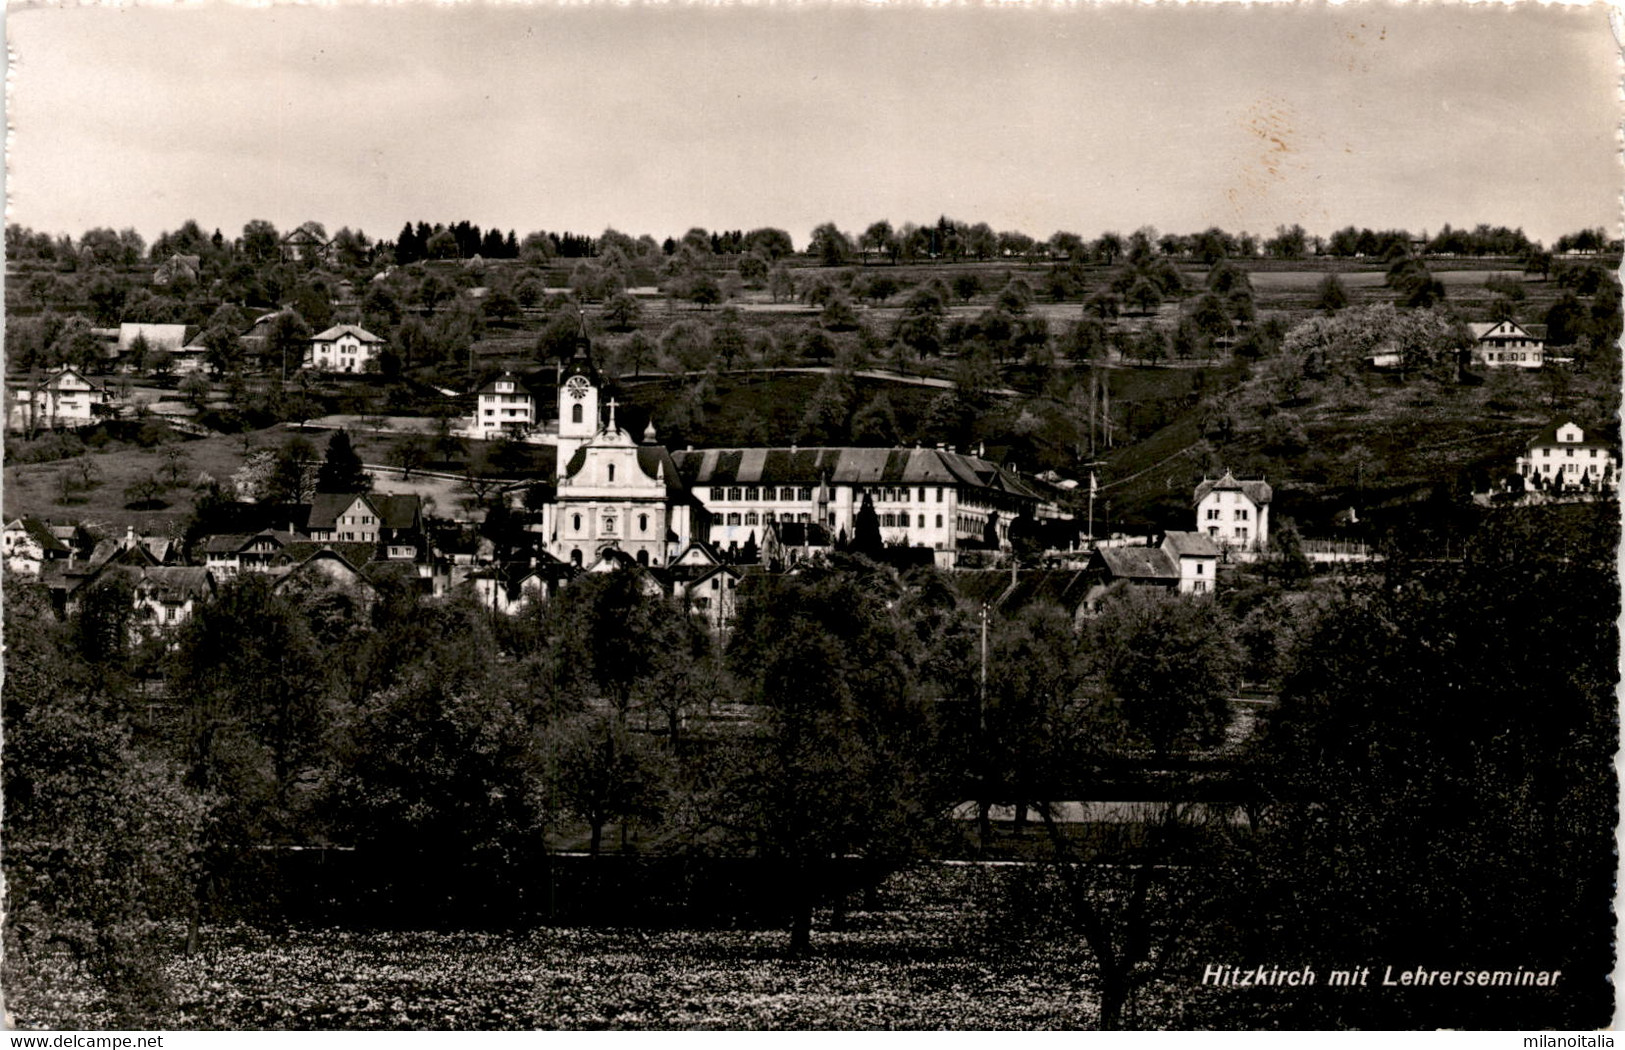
[(612, 472), (575, 413), (575, 522), (643, 523)]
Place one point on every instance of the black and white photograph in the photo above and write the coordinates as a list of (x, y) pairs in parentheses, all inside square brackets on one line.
[(811, 516)]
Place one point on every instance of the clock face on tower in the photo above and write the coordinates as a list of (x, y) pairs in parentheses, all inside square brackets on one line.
[(576, 386)]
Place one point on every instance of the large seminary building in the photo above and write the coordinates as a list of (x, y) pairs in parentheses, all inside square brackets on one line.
[(615, 492)]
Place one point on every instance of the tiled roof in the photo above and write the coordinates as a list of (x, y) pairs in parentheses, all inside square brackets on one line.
[(41, 534), (165, 336), (1548, 437), (849, 466), (519, 385), (1139, 563), (340, 330), (176, 582), (799, 533), (394, 512), (1258, 491), (1189, 545)]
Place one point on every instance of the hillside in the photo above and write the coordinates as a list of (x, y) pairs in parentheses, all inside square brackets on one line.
[(1374, 443)]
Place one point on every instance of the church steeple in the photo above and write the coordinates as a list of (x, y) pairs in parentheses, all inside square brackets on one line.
[(579, 389)]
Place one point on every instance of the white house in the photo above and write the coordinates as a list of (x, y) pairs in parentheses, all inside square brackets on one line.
[(1562, 457), (1506, 344), (67, 399), (344, 348), (27, 543), (1234, 513), (1197, 558), (504, 406), (166, 596)]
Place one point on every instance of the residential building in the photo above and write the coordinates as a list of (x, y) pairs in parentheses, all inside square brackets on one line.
[(1506, 344), (66, 399), (1234, 513), (1562, 457), (393, 523), (28, 543), (166, 596), (505, 406), (344, 348)]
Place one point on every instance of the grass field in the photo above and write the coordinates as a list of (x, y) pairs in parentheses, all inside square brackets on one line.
[(925, 957)]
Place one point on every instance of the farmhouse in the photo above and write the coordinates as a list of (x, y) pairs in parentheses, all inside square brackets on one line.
[(1234, 513), (1561, 457), (1506, 344), (344, 348)]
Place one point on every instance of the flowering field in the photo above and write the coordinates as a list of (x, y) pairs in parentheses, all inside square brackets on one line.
[(921, 958)]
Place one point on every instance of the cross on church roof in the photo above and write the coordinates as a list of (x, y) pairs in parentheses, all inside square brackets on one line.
[(612, 413)]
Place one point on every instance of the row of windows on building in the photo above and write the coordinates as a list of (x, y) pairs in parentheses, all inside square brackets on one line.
[(1507, 355), (1546, 453), (765, 518), (782, 493), (1240, 532), (1241, 514), (608, 522)]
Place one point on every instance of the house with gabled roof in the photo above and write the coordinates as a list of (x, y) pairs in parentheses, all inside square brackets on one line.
[(507, 587), (505, 406), (1234, 513), (1506, 344), (1563, 457), (27, 543), (66, 399), (344, 348), (166, 596), (393, 521), (167, 337)]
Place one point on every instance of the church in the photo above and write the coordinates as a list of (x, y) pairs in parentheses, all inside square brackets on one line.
[(613, 492), (632, 495)]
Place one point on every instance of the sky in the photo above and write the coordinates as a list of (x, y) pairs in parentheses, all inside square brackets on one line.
[(657, 118)]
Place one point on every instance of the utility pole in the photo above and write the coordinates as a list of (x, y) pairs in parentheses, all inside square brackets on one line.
[(982, 703)]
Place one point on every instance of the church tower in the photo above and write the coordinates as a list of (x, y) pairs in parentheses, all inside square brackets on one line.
[(579, 388)]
